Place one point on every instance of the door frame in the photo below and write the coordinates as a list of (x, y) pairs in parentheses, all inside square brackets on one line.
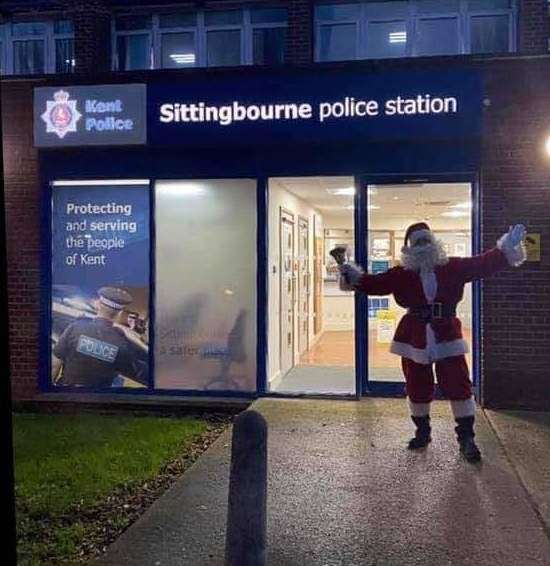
[(302, 220), (390, 388), (289, 217)]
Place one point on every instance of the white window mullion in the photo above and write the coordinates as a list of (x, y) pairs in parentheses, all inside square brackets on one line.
[(411, 28), (48, 48), (4, 54), (515, 25), (317, 42), (114, 47), (465, 23), (361, 33), (247, 39), (155, 42), (201, 40)]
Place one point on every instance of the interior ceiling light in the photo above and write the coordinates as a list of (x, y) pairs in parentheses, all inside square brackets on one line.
[(348, 191), (463, 205), (455, 214), (183, 58), (398, 37)]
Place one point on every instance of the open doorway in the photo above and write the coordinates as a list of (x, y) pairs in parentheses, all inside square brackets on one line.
[(311, 321)]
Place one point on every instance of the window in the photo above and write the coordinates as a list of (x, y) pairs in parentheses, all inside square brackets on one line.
[(133, 43), (223, 38), (28, 48), (199, 39), (268, 35), (396, 28)]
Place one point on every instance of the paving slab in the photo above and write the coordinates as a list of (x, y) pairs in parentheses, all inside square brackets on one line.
[(525, 436), (343, 490)]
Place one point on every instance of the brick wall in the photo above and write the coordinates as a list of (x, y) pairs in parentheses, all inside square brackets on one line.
[(22, 195), (92, 29), (516, 188), (534, 26), (299, 45)]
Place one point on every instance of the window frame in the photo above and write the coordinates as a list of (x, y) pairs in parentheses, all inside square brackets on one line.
[(115, 34), (49, 38), (200, 32), (241, 28), (412, 19)]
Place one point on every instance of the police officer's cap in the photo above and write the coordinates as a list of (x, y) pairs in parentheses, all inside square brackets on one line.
[(114, 297)]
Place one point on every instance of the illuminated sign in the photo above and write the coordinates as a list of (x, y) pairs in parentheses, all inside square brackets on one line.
[(90, 115), (314, 106)]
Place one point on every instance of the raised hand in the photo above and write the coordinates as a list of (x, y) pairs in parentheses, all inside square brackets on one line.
[(516, 234)]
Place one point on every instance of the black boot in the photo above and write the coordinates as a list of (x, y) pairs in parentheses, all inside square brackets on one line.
[(465, 435), (422, 435)]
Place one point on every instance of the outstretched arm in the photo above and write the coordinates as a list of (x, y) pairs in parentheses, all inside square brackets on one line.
[(353, 278), (509, 251)]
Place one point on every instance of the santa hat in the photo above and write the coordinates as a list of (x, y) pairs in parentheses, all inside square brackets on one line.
[(415, 231)]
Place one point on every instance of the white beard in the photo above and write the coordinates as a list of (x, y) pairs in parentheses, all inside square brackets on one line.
[(423, 258)]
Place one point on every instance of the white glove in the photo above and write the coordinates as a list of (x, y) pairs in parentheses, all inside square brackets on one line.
[(350, 274), (512, 245), (516, 234)]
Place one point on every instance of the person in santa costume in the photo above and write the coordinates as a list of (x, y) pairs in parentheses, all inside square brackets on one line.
[(430, 285)]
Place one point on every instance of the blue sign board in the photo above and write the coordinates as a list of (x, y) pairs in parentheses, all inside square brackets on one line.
[(315, 106), (100, 236), (90, 115)]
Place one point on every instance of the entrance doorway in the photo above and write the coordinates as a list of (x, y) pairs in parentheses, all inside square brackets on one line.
[(311, 322), (447, 209)]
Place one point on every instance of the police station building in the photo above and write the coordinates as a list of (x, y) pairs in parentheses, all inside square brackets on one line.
[(176, 175)]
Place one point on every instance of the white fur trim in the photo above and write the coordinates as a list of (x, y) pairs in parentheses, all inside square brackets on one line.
[(417, 234), (463, 408), (515, 255), (418, 409), (429, 285), (425, 356)]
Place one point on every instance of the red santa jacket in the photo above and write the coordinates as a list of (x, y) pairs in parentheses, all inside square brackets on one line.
[(412, 337)]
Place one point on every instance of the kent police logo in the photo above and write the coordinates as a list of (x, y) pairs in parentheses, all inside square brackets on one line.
[(61, 114)]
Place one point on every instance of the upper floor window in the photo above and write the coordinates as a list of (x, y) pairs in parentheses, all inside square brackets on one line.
[(200, 39), (409, 28), (28, 48)]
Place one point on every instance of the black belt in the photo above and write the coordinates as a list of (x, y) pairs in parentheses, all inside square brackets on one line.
[(435, 310)]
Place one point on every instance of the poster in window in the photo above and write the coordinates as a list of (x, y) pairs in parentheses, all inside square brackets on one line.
[(100, 286)]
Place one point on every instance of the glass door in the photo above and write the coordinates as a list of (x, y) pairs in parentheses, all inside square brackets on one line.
[(390, 209)]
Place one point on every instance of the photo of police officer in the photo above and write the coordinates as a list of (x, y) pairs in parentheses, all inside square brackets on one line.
[(105, 350)]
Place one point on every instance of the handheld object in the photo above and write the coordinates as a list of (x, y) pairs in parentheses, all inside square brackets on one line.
[(339, 254)]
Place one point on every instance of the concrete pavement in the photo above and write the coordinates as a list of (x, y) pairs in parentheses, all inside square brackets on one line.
[(342, 490)]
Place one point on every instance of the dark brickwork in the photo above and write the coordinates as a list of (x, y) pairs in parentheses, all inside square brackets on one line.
[(299, 47), (92, 28), (22, 195), (534, 26), (516, 188)]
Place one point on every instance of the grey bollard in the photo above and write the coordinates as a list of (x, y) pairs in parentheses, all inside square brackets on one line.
[(246, 514)]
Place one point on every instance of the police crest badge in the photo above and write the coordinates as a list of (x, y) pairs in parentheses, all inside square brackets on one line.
[(61, 114)]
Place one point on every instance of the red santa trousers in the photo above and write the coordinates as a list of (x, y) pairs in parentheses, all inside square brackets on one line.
[(453, 379)]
